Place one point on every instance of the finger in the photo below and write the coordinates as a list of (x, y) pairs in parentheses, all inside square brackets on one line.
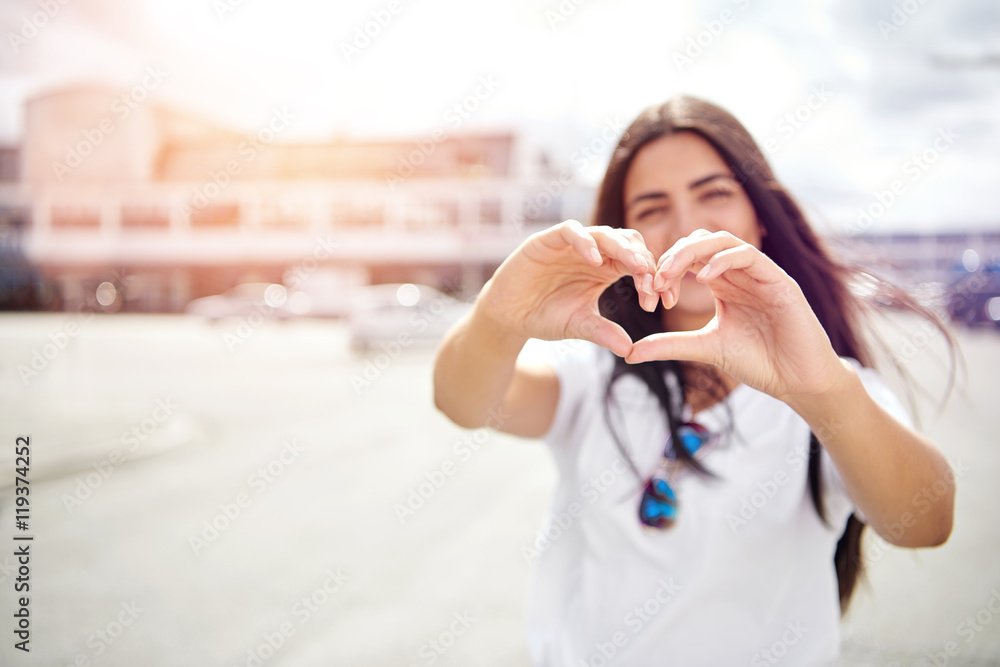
[(698, 246), (644, 282), (641, 270), (605, 333), (649, 301), (573, 233), (748, 269), (646, 297), (614, 243), (675, 345), (669, 290), (639, 246), (753, 262), (643, 286), (669, 296)]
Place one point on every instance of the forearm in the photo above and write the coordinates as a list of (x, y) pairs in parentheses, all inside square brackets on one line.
[(474, 369), (886, 467)]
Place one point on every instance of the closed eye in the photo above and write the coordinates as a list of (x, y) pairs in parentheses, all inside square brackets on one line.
[(646, 213), (718, 194)]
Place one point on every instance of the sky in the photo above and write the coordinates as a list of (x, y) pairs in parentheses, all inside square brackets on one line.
[(850, 100)]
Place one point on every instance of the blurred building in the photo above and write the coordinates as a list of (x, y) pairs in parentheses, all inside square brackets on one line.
[(958, 273), (914, 260), (925, 258), (106, 187)]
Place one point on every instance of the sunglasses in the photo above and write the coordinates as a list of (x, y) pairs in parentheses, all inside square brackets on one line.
[(658, 508)]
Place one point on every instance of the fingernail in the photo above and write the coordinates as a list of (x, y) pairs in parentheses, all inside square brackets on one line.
[(595, 254), (641, 260), (651, 302), (707, 269), (658, 281), (665, 265), (647, 283)]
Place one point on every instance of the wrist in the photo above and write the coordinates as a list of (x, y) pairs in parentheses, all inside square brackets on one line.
[(491, 330), (822, 409)]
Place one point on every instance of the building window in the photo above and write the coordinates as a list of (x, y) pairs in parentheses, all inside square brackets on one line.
[(489, 211), (14, 219), (424, 215), (542, 208), (215, 216), (145, 217), (76, 217), (10, 159), (358, 214), (284, 215)]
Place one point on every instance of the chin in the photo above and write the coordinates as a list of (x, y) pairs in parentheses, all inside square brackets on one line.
[(696, 299)]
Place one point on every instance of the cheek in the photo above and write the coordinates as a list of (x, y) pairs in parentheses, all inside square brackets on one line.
[(742, 223)]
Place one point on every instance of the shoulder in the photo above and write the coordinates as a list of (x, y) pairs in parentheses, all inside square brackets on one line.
[(582, 369)]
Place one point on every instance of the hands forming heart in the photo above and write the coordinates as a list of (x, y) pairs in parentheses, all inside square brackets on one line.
[(763, 333)]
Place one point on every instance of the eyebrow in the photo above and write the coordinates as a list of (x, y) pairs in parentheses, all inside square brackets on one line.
[(691, 186)]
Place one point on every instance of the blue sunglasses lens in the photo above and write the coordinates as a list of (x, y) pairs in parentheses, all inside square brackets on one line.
[(692, 436), (658, 508)]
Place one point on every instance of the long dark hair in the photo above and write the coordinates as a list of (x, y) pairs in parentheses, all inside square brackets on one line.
[(789, 241)]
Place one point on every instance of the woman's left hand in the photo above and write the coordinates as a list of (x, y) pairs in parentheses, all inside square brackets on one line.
[(764, 333)]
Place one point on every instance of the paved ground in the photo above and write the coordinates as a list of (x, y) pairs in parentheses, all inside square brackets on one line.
[(194, 504)]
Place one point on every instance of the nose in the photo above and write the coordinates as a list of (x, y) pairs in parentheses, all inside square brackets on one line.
[(687, 219), (684, 219)]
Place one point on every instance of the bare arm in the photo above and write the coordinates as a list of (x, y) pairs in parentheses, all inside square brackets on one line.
[(478, 382), (886, 466)]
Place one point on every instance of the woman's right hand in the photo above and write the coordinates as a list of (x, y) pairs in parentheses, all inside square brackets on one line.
[(548, 288)]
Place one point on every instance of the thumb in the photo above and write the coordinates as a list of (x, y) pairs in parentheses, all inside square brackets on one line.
[(675, 345), (607, 334)]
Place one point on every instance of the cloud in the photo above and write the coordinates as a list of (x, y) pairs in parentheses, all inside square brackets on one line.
[(563, 81)]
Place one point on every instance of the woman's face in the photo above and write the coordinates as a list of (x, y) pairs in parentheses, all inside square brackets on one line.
[(676, 185)]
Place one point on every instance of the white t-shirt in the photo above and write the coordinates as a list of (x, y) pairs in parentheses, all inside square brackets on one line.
[(744, 577)]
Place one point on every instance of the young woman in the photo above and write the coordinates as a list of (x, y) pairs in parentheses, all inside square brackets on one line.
[(720, 436)]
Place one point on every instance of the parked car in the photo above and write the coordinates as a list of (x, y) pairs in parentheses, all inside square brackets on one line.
[(402, 314), (268, 299), (975, 299), (324, 292), (22, 286)]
